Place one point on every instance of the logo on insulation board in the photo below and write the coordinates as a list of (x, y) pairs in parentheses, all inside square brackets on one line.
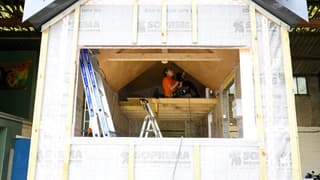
[(240, 159), (158, 158)]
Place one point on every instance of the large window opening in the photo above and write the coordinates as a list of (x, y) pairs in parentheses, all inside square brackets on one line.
[(131, 74)]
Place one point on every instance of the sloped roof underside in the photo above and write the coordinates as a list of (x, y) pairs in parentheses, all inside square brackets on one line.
[(209, 67)]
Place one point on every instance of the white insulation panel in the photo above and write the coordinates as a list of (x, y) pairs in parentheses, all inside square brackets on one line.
[(107, 23), (274, 102), (154, 158)]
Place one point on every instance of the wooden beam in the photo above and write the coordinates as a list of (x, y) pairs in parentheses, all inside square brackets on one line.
[(247, 91), (164, 22), (294, 138), (228, 80), (257, 94), (38, 106), (135, 22), (170, 109), (200, 109), (313, 23), (194, 10), (72, 92), (196, 162), (163, 57), (131, 157), (178, 100)]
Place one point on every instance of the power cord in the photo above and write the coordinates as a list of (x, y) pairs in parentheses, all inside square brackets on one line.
[(178, 157)]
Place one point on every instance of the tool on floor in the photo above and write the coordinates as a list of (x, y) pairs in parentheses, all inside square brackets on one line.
[(99, 111), (149, 123)]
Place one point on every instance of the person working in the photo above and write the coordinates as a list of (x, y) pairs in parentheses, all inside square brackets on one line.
[(187, 85), (169, 85)]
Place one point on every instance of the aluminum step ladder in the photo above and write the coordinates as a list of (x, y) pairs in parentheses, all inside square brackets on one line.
[(96, 99), (149, 123)]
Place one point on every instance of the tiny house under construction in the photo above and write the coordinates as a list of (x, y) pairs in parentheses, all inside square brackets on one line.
[(232, 47)]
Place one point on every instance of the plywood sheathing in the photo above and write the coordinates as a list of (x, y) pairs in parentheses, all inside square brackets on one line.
[(119, 119), (208, 66), (176, 116), (78, 124), (119, 74), (166, 109), (174, 128), (148, 84), (212, 73)]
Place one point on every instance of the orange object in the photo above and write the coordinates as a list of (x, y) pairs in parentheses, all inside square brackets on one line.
[(166, 82), (89, 131)]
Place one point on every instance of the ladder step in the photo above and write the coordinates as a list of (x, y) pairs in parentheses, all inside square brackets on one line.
[(150, 123)]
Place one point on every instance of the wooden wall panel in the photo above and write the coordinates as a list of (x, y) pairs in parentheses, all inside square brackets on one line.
[(211, 74), (120, 73)]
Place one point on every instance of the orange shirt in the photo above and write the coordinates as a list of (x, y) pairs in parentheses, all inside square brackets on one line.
[(165, 86)]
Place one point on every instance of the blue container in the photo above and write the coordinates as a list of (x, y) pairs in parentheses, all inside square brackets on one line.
[(20, 159)]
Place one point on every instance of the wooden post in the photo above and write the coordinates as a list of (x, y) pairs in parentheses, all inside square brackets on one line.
[(164, 22), (247, 90), (294, 138), (131, 162), (257, 94), (135, 22), (38, 105), (72, 91), (228, 80), (196, 162), (194, 11)]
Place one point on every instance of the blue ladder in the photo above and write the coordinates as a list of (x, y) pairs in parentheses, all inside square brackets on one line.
[(99, 111)]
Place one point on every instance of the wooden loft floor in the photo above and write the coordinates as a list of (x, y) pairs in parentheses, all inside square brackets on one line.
[(170, 109)]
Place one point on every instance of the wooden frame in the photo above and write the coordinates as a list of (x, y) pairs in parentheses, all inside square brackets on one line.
[(194, 11), (257, 95), (164, 22), (72, 92), (165, 56), (224, 99), (169, 109), (245, 54), (135, 22), (247, 100), (131, 161), (294, 138), (228, 80), (196, 159), (63, 14), (38, 105)]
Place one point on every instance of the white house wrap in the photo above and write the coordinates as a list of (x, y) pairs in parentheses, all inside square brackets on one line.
[(56, 154)]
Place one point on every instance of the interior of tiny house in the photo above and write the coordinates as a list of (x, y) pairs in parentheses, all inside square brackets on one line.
[(129, 75)]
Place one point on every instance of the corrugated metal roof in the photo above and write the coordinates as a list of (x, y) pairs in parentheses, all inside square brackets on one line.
[(11, 15), (305, 43)]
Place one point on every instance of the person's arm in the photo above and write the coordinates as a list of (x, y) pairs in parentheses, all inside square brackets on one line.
[(175, 85)]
